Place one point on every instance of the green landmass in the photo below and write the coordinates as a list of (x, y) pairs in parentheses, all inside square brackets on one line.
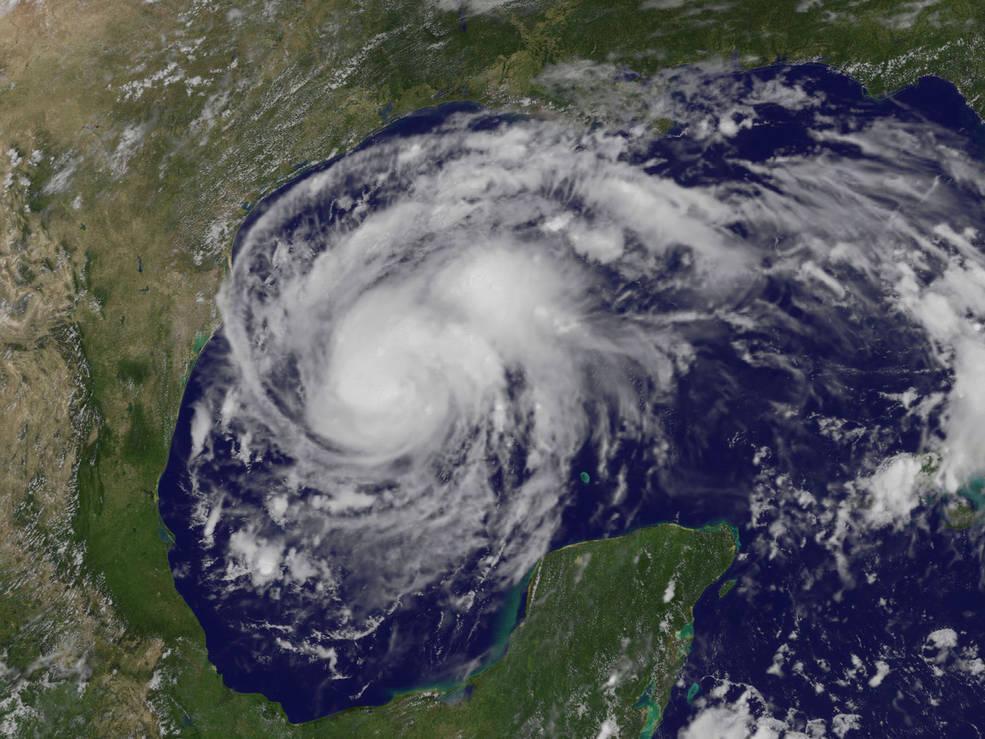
[(961, 515), (598, 645), (133, 139)]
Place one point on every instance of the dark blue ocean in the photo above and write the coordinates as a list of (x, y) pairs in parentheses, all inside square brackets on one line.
[(784, 643)]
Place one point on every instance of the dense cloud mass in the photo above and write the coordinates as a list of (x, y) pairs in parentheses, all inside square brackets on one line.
[(426, 341)]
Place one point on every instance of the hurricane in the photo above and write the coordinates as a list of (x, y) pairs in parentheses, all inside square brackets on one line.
[(755, 296)]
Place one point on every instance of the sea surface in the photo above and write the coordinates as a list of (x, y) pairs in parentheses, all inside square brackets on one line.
[(784, 397)]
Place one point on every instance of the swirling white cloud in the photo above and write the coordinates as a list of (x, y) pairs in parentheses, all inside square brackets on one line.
[(425, 336)]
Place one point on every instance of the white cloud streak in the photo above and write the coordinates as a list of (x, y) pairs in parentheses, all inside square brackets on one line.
[(431, 344)]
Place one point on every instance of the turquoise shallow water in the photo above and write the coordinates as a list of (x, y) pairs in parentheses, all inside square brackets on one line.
[(784, 396)]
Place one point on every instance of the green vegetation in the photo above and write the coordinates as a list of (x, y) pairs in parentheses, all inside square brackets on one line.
[(598, 644), (133, 370), (930, 464), (961, 516), (968, 507), (153, 124)]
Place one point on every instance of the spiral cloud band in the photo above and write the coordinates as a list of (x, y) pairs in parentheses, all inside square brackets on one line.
[(427, 340), (435, 349)]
